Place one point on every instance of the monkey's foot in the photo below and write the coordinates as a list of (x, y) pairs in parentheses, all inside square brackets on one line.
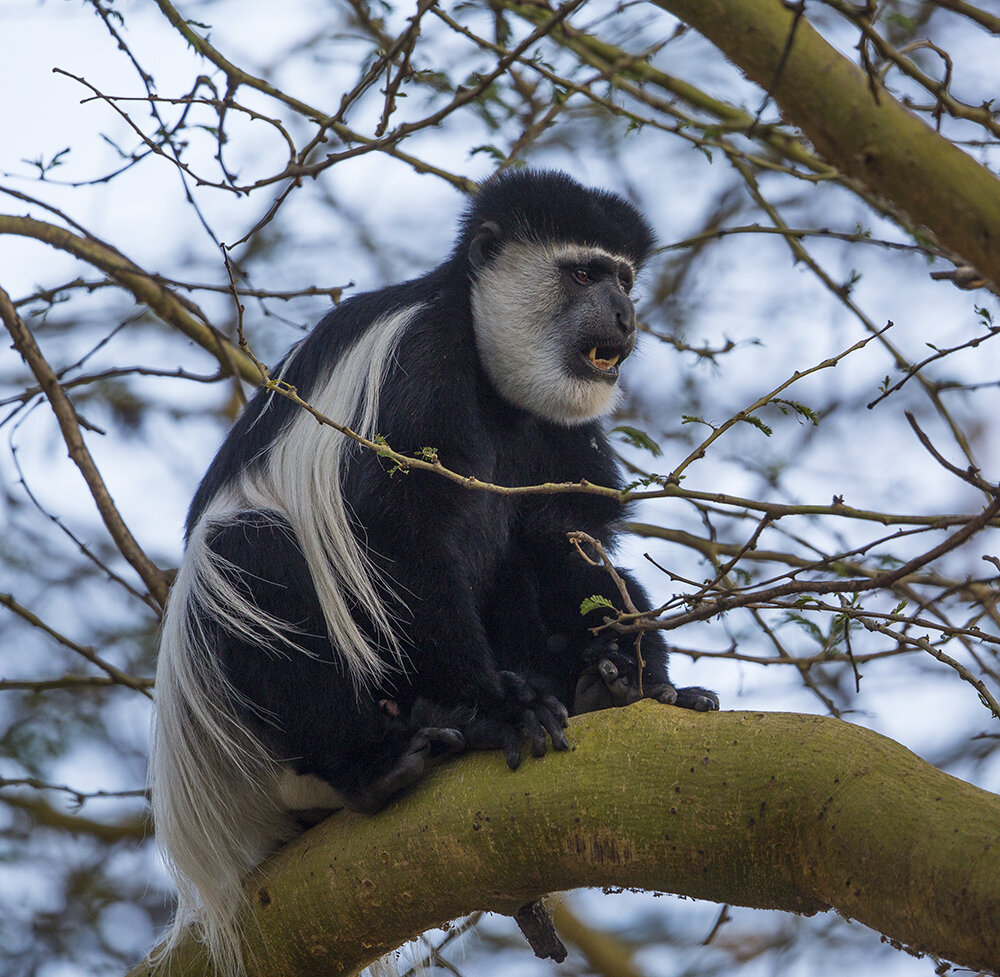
[(692, 697), (426, 744)]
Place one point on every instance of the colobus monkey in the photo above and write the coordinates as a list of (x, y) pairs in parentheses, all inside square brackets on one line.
[(335, 623)]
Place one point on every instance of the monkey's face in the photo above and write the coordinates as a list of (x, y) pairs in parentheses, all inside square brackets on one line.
[(553, 325)]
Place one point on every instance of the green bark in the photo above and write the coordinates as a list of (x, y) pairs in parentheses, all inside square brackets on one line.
[(872, 139), (770, 810)]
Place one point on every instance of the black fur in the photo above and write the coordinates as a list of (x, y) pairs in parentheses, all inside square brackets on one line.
[(494, 641), (549, 206)]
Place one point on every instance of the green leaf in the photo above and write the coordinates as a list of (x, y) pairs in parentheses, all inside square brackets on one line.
[(908, 24), (757, 423), (497, 155), (794, 407), (652, 479), (593, 603), (807, 626), (638, 439)]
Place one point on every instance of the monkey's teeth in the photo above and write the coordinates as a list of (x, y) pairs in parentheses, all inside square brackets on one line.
[(608, 364)]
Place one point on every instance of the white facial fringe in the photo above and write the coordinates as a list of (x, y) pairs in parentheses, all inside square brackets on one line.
[(215, 789), (513, 299)]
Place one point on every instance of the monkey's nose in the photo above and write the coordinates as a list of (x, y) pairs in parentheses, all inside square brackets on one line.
[(624, 313)]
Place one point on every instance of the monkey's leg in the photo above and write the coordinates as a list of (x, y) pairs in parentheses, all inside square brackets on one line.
[(293, 691), (426, 744)]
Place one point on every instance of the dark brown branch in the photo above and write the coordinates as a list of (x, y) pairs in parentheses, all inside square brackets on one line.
[(114, 673), (152, 576)]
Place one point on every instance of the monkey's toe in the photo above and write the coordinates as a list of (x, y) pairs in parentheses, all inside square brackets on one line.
[(697, 698)]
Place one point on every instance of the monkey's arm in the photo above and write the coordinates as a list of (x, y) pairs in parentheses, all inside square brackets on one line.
[(436, 563)]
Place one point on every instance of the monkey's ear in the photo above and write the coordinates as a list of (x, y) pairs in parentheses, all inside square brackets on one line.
[(487, 234)]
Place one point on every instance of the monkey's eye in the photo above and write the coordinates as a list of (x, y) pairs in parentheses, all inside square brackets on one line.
[(582, 276)]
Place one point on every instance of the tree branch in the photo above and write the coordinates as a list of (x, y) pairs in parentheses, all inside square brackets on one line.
[(772, 810), (144, 287), (878, 142), (24, 342)]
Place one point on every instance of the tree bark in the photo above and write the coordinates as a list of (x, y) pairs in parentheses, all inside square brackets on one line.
[(770, 810), (855, 124)]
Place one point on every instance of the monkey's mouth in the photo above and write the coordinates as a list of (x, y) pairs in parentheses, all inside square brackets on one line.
[(603, 361)]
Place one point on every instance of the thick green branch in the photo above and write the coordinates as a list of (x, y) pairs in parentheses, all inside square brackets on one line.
[(869, 137), (777, 811)]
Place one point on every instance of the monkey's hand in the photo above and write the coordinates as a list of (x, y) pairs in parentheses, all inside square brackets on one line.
[(610, 680), (603, 686), (524, 711)]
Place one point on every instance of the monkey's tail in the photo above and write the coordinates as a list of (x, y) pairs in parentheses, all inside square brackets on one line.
[(214, 786)]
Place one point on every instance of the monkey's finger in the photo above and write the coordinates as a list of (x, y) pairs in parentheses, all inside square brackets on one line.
[(535, 731), (451, 739), (515, 686), (628, 691), (591, 693), (554, 724), (512, 749), (443, 739), (664, 693), (558, 710), (553, 716), (608, 671), (491, 734)]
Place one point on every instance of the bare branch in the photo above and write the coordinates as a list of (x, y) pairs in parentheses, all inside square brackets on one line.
[(116, 675), (155, 579)]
